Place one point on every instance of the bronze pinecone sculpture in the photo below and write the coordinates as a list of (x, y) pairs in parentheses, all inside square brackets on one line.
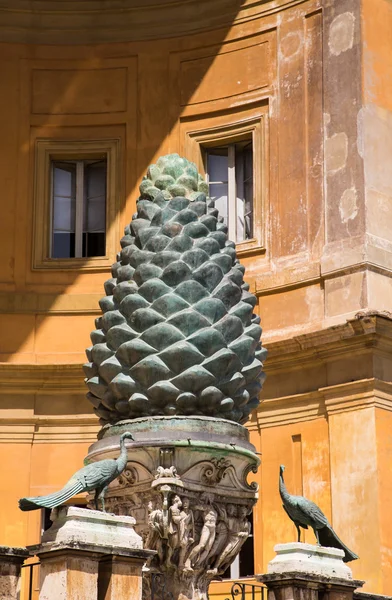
[(178, 335)]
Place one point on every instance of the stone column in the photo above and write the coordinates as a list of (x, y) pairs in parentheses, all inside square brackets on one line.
[(90, 555), (310, 573), (11, 560)]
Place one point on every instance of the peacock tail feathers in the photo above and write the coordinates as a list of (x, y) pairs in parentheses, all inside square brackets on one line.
[(52, 500)]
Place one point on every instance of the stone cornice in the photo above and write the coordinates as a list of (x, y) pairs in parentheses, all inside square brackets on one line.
[(290, 409), (45, 379), (325, 402), (357, 395), (60, 303), (96, 21), (368, 331), (23, 384), (49, 430)]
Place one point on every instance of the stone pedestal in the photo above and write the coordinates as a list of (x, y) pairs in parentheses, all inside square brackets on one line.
[(120, 577), (83, 556), (310, 573), (186, 485), (307, 558), (11, 560)]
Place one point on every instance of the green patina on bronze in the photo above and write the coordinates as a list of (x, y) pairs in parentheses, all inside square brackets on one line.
[(178, 335)]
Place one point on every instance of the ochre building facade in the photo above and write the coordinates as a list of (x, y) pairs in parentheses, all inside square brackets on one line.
[(309, 83)]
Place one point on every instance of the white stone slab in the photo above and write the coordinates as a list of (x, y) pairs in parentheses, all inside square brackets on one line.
[(306, 558), (83, 526)]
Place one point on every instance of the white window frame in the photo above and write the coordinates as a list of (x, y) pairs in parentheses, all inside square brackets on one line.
[(79, 203), (48, 150)]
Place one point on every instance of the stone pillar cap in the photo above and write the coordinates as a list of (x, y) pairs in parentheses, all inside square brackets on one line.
[(308, 549), (14, 552), (299, 558), (80, 527)]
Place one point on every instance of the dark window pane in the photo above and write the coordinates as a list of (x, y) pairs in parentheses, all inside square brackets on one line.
[(246, 558), (63, 245), (94, 244), (46, 522), (247, 553)]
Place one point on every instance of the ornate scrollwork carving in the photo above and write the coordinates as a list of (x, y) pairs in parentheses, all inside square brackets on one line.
[(128, 477), (253, 485), (214, 472)]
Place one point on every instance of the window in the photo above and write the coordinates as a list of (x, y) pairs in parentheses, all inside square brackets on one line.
[(243, 564), (77, 196), (234, 156), (78, 208), (229, 172)]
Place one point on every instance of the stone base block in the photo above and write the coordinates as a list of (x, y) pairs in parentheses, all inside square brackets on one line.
[(92, 527), (90, 555), (11, 560), (312, 560)]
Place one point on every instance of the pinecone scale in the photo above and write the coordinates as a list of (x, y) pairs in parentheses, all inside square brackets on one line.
[(178, 335)]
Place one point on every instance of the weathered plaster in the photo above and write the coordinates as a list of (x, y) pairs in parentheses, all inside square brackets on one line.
[(336, 151), (290, 45), (348, 206), (341, 33)]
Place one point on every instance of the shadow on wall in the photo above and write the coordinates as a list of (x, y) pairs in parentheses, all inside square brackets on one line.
[(34, 108)]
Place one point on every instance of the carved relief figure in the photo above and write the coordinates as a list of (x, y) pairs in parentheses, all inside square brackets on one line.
[(174, 537), (200, 552), (154, 539), (187, 531), (238, 531), (220, 541)]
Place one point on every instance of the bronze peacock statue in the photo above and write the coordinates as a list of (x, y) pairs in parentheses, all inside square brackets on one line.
[(304, 512), (95, 476)]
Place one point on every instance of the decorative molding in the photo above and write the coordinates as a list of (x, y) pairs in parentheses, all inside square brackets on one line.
[(43, 379), (358, 395), (61, 303), (369, 331), (291, 409), (49, 430), (93, 21), (288, 277), (325, 402)]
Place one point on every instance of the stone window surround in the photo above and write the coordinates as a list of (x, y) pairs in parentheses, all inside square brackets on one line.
[(47, 150), (255, 128)]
